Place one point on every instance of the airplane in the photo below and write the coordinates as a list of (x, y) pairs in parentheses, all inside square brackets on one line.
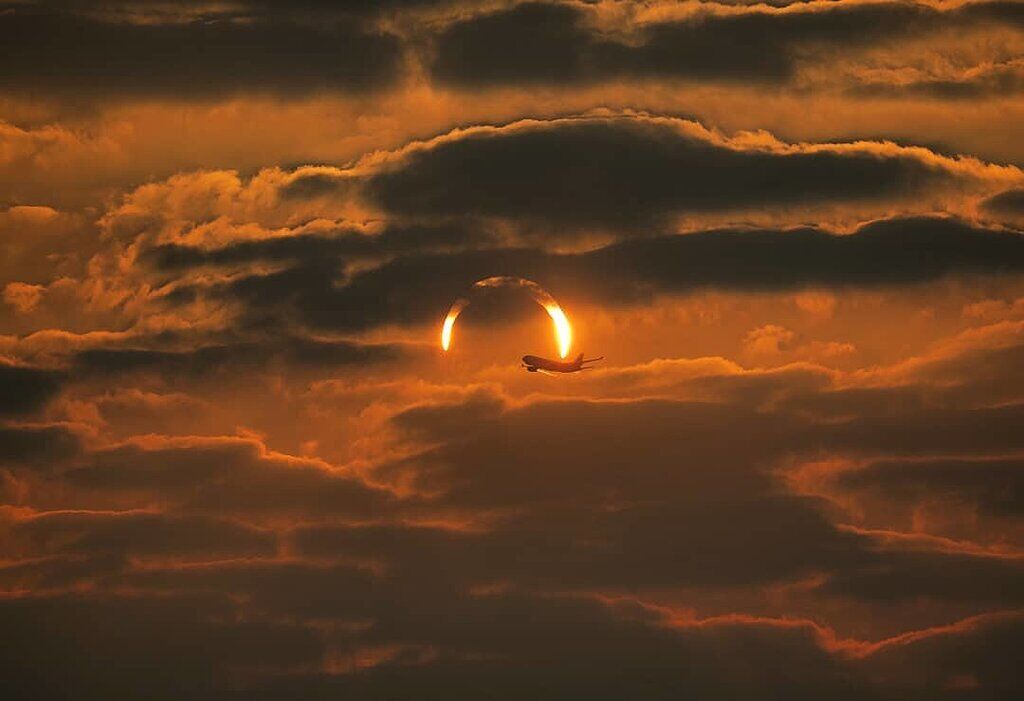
[(532, 363)]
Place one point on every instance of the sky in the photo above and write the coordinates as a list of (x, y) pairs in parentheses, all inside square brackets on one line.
[(236, 464)]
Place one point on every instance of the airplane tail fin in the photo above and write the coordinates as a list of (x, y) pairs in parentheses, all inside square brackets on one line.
[(579, 359)]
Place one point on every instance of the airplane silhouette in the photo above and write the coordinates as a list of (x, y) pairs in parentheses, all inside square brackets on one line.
[(533, 363)]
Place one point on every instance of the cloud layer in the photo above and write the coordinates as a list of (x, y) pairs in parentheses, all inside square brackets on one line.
[(235, 464)]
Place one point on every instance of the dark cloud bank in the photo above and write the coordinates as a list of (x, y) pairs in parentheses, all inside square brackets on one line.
[(632, 173), (418, 287), (264, 575), (552, 43), (620, 496), (627, 177), (451, 204), (26, 388), (194, 48), (53, 51)]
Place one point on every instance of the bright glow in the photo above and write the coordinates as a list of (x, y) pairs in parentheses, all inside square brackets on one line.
[(562, 329), (446, 331), (449, 322)]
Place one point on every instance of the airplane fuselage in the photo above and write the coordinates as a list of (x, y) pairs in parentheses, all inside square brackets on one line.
[(534, 363)]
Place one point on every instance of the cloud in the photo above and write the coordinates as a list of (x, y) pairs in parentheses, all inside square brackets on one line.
[(597, 496), (234, 465), (26, 389), (1007, 205), (37, 242), (999, 80), (971, 499), (995, 486), (554, 200), (419, 287), (136, 638), (616, 173), (303, 247), (37, 445), (901, 575), (518, 540), (231, 358), (222, 475), (286, 48), (552, 43), (24, 298), (509, 644), (135, 534), (634, 173), (602, 650), (73, 54), (969, 657)]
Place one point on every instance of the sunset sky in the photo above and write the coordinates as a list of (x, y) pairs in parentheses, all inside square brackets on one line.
[(236, 464)]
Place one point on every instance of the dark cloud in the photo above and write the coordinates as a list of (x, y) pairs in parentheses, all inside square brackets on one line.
[(490, 48), (293, 589), (419, 287), (140, 534), (519, 644), (507, 647), (658, 494), (51, 51), (631, 175), (995, 486), (57, 550), (513, 646), (597, 544), (223, 475), (309, 9), (978, 372), (266, 45), (571, 496), (976, 658), (92, 647), (408, 289), (554, 43), (344, 245), (37, 445), (884, 252), (943, 430), (26, 389), (1006, 202), (908, 575), (231, 358)]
